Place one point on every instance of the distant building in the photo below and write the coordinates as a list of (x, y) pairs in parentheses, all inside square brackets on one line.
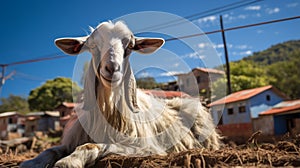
[(170, 86), (199, 80), (42, 121), (11, 122), (282, 118), (66, 110), (235, 112), (166, 94)]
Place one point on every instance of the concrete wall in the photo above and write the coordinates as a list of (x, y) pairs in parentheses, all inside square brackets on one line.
[(260, 103), (47, 122), (3, 127), (195, 81), (188, 84), (237, 117), (297, 127), (236, 130), (265, 124), (217, 113)]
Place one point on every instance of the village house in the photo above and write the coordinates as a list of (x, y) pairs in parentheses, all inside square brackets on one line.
[(42, 121), (235, 113), (199, 80), (66, 110), (170, 86), (282, 118), (11, 125), (166, 94)]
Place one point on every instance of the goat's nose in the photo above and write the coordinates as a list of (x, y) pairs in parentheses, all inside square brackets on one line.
[(112, 67)]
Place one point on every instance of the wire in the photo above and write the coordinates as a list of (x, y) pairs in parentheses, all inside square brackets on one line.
[(34, 60), (235, 28), (202, 14), (170, 39), (28, 77)]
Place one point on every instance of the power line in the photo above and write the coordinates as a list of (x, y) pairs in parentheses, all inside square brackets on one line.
[(3, 78), (170, 39), (203, 14), (25, 76), (235, 28), (33, 60)]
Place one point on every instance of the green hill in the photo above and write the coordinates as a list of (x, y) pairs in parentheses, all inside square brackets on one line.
[(278, 65), (276, 53)]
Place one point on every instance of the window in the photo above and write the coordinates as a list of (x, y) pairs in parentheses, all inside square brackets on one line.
[(10, 120), (230, 111), (268, 97), (63, 113), (198, 79), (242, 109)]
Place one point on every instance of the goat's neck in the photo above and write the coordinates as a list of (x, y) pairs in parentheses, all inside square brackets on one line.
[(117, 103)]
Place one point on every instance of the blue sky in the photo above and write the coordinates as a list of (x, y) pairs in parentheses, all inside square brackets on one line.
[(28, 29)]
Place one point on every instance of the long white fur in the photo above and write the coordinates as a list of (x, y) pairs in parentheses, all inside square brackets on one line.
[(126, 121)]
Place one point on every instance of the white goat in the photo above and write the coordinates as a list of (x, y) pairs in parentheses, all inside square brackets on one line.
[(118, 118)]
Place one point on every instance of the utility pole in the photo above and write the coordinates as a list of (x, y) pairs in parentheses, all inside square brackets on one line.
[(2, 81), (226, 57), (3, 78)]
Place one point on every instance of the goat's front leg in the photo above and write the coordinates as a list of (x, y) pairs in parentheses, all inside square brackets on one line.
[(46, 158), (86, 155), (83, 155)]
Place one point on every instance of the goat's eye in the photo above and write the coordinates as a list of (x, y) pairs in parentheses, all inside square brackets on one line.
[(130, 45)]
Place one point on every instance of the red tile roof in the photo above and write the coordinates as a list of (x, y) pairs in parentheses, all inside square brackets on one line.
[(208, 70), (69, 104), (166, 94), (244, 95), (283, 107)]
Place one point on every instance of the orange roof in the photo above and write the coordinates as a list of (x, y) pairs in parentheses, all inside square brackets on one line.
[(285, 106), (31, 118), (243, 95), (166, 94), (208, 70), (69, 104)]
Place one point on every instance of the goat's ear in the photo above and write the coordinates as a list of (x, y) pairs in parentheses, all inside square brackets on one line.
[(71, 46), (148, 45)]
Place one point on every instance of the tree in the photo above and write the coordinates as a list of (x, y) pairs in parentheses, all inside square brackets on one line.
[(276, 53), (243, 75), (147, 83), (287, 75), (52, 93), (277, 66), (14, 103)]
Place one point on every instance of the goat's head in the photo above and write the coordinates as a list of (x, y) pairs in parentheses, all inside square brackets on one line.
[(112, 43)]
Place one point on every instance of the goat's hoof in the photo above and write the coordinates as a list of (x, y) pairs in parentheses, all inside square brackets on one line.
[(69, 162)]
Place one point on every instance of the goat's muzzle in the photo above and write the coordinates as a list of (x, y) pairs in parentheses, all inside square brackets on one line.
[(112, 67), (111, 74)]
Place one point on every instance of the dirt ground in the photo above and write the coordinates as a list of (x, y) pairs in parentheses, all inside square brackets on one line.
[(283, 153)]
